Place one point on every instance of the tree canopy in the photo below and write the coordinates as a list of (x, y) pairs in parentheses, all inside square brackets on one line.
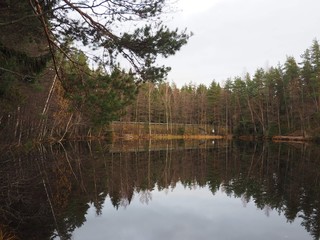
[(280, 100), (130, 30), (87, 43)]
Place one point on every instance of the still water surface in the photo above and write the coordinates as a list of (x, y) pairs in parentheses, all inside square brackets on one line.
[(162, 190), (188, 213)]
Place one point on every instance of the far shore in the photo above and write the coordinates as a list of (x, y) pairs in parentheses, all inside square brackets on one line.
[(167, 137)]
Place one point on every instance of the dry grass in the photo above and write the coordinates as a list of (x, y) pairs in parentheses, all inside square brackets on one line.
[(200, 137), (161, 131), (165, 137), (7, 234)]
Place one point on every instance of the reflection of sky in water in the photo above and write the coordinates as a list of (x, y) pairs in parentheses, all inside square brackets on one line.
[(184, 214)]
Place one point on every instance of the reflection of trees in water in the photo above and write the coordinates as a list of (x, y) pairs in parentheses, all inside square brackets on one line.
[(282, 178), (276, 177), (145, 196)]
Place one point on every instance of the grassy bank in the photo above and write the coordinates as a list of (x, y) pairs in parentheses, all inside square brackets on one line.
[(164, 137), (161, 131)]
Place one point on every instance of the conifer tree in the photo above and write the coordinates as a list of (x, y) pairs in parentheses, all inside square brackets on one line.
[(108, 26)]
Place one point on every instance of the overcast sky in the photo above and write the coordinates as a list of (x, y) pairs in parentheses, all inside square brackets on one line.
[(232, 37)]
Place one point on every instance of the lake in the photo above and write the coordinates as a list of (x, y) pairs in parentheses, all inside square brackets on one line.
[(161, 190)]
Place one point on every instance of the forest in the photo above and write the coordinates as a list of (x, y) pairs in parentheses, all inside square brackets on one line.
[(61, 105), (47, 89), (280, 100), (51, 90)]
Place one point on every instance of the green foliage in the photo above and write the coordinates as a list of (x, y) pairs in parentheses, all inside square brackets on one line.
[(278, 100), (273, 130), (10, 94), (181, 131), (244, 128), (17, 69), (100, 97), (140, 46), (32, 33)]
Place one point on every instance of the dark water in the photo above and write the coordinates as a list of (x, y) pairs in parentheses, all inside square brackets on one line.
[(162, 190)]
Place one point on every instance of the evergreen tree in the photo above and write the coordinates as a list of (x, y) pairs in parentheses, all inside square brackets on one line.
[(294, 92), (96, 24), (97, 95), (214, 96), (315, 63), (37, 33)]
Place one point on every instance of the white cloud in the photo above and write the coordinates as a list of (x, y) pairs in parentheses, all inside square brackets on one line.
[(232, 36)]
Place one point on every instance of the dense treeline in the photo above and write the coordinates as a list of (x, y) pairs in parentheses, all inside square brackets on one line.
[(49, 192), (48, 90), (274, 101)]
